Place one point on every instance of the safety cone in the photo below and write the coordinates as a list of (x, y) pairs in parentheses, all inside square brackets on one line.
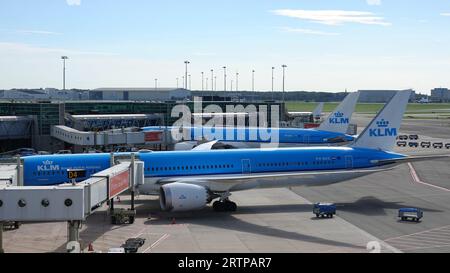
[(90, 248), (173, 221)]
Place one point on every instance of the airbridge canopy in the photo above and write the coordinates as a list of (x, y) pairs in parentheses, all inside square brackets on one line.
[(68, 202), (111, 121), (126, 136)]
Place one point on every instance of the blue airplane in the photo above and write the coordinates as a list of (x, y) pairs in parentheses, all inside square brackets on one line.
[(332, 131), (189, 180)]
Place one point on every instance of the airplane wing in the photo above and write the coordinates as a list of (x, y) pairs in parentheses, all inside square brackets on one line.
[(407, 159), (205, 146)]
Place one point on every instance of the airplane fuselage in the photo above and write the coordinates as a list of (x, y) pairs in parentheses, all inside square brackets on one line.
[(260, 135), (198, 166)]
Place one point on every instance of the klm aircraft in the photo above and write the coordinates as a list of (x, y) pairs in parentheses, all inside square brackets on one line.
[(331, 132), (189, 180)]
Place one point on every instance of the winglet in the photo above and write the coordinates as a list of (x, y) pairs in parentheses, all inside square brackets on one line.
[(339, 120), (382, 131)]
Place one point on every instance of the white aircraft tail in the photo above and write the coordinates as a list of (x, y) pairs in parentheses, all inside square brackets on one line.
[(339, 120), (318, 111), (382, 131)]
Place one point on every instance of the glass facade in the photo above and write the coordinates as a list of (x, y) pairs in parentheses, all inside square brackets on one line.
[(48, 113)]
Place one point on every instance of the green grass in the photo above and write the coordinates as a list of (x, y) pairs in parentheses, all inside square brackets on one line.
[(301, 106)]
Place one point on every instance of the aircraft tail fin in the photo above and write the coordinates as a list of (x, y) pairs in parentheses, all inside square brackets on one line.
[(339, 120), (382, 131), (318, 111)]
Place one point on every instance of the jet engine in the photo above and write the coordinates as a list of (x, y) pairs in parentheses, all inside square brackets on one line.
[(182, 197)]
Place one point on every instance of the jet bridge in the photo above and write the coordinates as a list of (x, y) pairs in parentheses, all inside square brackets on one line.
[(69, 202)]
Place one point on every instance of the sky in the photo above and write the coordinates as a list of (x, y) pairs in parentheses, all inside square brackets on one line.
[(327, 45)]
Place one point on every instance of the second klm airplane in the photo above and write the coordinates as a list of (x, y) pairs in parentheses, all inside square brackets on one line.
[(332, 131), (189, 180)]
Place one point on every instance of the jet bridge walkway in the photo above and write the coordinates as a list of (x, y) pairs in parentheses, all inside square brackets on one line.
[(69, 202)]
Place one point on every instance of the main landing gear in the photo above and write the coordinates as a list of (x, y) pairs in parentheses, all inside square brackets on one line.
[(224, 204)]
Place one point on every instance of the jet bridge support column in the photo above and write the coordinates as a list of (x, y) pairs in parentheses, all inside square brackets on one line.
[(73, 229), (73, 236), (132, 175), (1, 237), (111, 201)]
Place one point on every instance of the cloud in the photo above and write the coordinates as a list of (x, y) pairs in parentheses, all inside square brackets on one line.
[(373, 2), (445, 14), (22, 48), (27, 31), (73, 2), (334, 17), (205, 54), (43, 32), (309, 31)]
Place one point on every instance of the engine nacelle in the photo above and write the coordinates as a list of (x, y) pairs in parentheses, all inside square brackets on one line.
[(182, 197)]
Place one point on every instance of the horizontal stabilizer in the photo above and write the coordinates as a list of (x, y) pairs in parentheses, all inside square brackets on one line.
[(409, 159)]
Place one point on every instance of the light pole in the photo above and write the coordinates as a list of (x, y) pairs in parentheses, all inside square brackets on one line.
[(284, 67), (253, 80), (177, 83), (156, 84), (224, 78), (202, 82), (206, 84), (212, 79), (237, 81), (186, 73), (273, 68), (64, 58), (215, 83), (190, 85), (231, 86)]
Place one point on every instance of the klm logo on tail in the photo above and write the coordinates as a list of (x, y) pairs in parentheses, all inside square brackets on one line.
[(338, 118), (383, 129)]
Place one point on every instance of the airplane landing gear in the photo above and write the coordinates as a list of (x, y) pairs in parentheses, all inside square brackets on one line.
[(225, 205)]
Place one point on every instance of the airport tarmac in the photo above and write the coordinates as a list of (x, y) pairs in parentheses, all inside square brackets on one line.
[(372, 202), (281, 220), (276, 220)]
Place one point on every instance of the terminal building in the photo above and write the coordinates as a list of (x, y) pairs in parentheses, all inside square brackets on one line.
[(139, 94), (44, 94), (380, 96), (440, 95), (34, 122)]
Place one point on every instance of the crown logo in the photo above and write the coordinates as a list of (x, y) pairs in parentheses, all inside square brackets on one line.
[(338, 114), (47, 162), (383, 123)]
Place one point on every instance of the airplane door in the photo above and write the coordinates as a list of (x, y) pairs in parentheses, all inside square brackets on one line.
[(306, 139), (246, 167), (349, 162)]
